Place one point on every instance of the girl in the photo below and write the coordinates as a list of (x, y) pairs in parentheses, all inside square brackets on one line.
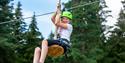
[(64, 29)]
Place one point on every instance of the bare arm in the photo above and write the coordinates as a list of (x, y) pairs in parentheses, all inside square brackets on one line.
[(63, 25), (56, 17), (53, 17), (58, 22), (57, 14)]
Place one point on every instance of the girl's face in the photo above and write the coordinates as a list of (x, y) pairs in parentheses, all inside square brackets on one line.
[(65, 20)]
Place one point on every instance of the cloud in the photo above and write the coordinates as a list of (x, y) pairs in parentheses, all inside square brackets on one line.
[(27, 13), (115, 6), (45, 24), (111, 21)]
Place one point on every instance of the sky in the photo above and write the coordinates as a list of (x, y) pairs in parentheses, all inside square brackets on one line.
[(44, 6), (39, 7), (115, 6)]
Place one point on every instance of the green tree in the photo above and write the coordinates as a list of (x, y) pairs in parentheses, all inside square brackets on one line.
[(88, 41), (18, 29), (51, 36), (5, 15), (104, 14), (6, 50), (114, 47), (33, 38)]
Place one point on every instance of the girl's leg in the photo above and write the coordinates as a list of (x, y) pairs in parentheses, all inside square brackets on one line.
[(44, 51), (36, 55)]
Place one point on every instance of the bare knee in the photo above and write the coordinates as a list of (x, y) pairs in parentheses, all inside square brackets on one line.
[(37, 49), (44, 42)]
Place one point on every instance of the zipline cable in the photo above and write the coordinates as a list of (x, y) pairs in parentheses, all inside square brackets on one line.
[(26, 18), (82, 5), (51, 12)]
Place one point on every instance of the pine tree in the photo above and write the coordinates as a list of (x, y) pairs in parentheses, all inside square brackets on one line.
[(5, 15), (116, 42), (17, 34), (104, 14), (33, 38), (51, 36), (6, 50), (114, 47), (18, 27), (33, 31)]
